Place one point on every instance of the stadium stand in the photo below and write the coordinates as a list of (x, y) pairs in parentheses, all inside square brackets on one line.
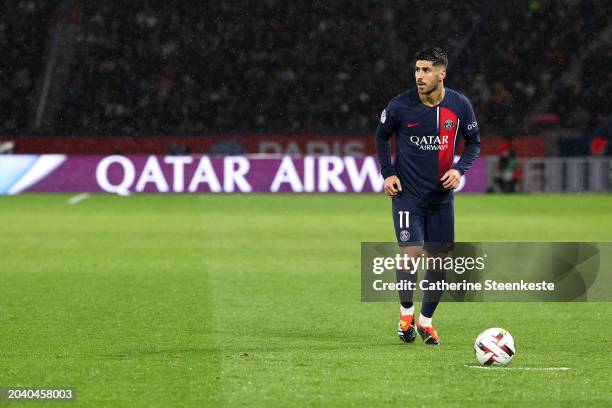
[(187, 67)]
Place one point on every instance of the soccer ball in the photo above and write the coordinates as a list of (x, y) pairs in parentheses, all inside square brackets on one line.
[(494, 347)]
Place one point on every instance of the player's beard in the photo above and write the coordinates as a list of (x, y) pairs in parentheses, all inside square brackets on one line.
[(432, 89)]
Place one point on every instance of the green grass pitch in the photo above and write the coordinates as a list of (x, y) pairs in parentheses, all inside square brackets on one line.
[(254, 300)]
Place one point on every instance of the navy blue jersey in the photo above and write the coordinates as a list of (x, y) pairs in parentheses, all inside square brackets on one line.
[(426, 140)]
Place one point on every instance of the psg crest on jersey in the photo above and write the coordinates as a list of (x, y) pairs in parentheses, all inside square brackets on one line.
[(404, 235), (448, 124)]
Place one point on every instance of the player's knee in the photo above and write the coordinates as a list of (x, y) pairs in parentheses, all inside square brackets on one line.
[(413, 251)]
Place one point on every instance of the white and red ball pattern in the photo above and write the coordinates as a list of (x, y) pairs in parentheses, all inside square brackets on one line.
[(494, 346)]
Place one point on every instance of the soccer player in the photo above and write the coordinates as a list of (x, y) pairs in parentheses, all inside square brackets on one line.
[(427, 120)]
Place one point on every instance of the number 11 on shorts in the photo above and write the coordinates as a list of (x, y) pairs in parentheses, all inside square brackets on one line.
[(404, 220)]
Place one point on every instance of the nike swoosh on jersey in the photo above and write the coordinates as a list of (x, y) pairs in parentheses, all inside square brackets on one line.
[(412, 124)]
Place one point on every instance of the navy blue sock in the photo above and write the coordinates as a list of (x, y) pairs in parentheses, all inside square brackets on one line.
[(405, 295), (431, 298)]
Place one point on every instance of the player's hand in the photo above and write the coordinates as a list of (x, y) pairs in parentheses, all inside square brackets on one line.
[(392, 186), (450, 179)]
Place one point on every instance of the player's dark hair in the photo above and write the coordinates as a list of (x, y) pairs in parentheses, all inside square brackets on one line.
[(434, 54)]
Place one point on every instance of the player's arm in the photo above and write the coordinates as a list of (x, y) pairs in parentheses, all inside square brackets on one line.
[(471, 135), (384, 131)]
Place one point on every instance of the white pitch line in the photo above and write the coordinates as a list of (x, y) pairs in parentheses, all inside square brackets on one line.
[(78, 198), (520, 368)]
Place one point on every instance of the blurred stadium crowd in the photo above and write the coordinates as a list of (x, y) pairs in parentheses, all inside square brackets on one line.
[(302, 67)]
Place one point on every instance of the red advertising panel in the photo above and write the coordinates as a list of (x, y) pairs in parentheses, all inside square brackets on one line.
[(299, 145)]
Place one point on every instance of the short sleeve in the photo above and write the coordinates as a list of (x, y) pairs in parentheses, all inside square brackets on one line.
[(388, 119)]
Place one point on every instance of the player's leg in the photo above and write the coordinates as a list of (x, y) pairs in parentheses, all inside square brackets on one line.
[(431, 297), (440, 236), (406, 328), (409, 229)]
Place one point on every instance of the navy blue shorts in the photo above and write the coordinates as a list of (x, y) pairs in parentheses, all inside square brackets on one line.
[(418, 223)]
